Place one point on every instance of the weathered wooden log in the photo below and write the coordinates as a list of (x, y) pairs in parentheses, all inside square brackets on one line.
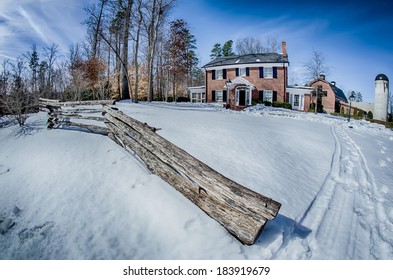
[(76, 111), (245, 228), (48, 100), (52, 103), (241, 211), (87, 103), (65, 114), (44, 103), (59, 123)]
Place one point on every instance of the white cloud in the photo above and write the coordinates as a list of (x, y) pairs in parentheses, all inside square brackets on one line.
[(38, 28), (40, 22)]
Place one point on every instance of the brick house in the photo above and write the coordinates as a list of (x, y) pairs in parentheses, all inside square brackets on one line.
[(251, 77), (331, 97)]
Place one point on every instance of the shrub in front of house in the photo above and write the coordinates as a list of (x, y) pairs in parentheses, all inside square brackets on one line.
[(183, 99), (285, 105), (370, 115)]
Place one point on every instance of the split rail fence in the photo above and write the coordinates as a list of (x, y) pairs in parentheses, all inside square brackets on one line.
[(240, 210)]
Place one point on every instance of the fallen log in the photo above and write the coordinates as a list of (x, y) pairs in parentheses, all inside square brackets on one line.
[(87, 103), (65, 114), (56, 123), (241, 211), (245, 228)]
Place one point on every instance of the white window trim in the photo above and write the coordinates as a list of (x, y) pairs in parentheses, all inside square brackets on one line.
[(265, 95), (222, 96), (219, 74), (265, 73)]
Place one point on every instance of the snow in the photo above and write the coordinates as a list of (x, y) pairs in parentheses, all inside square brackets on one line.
[(68, 194)]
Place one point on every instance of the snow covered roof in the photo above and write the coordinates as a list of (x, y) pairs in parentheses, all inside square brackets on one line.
[(247, 59)]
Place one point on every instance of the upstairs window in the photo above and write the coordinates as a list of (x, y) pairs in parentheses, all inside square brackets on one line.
[(268, 72), (219, 74), (242, 72)]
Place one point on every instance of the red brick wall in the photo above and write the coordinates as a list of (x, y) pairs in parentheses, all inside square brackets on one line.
[(275, 84), (328, 101)]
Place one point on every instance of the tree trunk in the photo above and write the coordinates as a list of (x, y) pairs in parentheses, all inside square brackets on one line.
[(136, 52), (125, 92)]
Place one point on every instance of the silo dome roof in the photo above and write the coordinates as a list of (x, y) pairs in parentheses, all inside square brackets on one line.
[(381, 77)]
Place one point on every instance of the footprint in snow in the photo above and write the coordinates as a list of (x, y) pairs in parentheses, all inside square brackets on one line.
[(381, 163), (7, 220), (384, 189), (40, 231), (4, 169)]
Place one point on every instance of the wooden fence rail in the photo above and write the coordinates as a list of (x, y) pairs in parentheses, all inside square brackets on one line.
[(240, 210)]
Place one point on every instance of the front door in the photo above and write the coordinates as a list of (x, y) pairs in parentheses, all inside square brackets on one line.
[(242, 98)]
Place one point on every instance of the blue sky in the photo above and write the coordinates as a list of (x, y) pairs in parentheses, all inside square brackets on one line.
[(355, 36)]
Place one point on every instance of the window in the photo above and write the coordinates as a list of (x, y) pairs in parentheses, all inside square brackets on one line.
[(296, 100), (219, 96), (242, 72), (219, 74), (268, 72), (268, 95)]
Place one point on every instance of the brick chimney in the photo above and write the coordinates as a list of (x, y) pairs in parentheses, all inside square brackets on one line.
[(284, 49), (321, 76)]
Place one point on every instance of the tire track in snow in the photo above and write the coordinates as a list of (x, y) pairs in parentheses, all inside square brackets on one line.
[(347, 218)]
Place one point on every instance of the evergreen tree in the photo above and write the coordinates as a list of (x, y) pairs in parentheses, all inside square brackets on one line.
[(216, 51), (181, 51), (227, 48), (359, 97)]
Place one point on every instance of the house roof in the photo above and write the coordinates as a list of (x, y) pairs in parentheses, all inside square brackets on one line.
[(339, 93), (241, 81), (247, 59), (381, 77)]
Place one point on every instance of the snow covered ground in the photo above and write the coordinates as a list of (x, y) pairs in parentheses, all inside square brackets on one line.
[(67, 194)]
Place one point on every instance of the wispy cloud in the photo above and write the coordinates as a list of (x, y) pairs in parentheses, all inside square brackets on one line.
[(37, 28), (40, 22)]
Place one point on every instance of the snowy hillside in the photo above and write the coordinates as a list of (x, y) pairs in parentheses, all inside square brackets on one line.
[(67, 194)]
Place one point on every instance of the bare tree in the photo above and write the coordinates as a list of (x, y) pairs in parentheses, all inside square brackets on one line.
[(157, 10), (50, 53), (19, 101), (315, 65), (125, 90), (136, 48), (248, 45), (272, 45)]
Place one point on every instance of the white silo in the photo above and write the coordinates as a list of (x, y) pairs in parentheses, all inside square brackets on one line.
[(381, 97)]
